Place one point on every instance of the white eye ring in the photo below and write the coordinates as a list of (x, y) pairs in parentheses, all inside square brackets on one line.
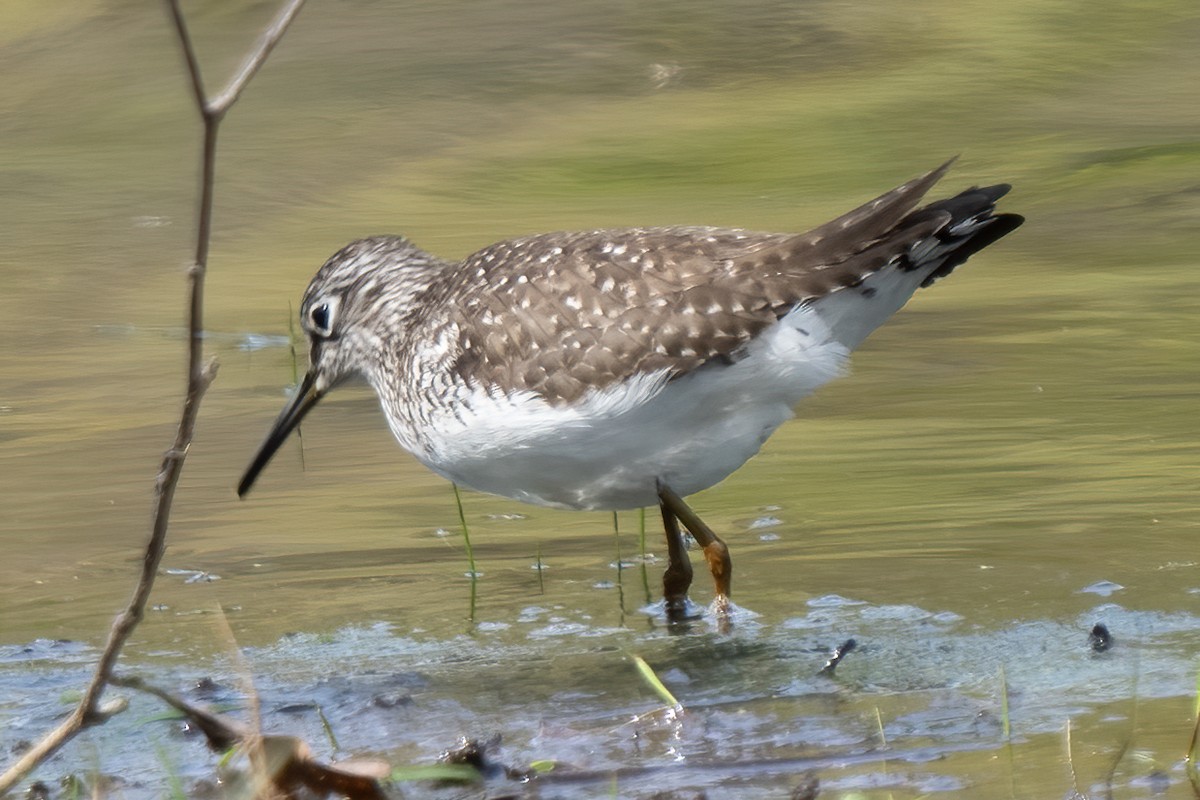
[(322, 316)]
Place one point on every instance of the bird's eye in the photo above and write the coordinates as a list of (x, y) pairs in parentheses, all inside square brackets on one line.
[(321, 317)]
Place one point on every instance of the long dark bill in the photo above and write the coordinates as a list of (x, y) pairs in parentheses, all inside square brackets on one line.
[(302, 402)]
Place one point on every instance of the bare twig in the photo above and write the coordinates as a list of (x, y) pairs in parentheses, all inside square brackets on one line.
[(266, 43), (200, 373), (221, 732), (279, 763), (189, 53)]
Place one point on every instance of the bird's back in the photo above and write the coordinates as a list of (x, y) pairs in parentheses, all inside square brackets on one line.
[(564, 314)]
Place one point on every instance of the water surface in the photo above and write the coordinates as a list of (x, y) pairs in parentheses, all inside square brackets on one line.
[(1018, 439)]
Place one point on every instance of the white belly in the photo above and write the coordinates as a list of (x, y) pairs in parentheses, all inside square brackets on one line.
[(609, 450)]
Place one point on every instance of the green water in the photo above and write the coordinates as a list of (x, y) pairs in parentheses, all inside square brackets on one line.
[(1019, 433)]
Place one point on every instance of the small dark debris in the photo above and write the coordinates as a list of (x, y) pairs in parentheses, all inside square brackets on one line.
[(1100, 640), (985, 723), (391, 700), (1159, 782), (204, 789), (206, 686), (836, 657), (476, 753), (73, 786), (37, 791), (808, 788), (471, 752), (188, 729)]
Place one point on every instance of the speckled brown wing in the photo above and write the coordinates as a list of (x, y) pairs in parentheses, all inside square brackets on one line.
[(561, 313)]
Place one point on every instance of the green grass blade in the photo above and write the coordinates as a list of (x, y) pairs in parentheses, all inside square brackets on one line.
[(652, 680), (642, 552), (617, 547), (462, 520), (333, 741), (457, 773), (540, 570), (1006, 728), (175, 790)]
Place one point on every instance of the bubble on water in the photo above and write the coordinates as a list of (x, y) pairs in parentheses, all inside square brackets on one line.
[(834, 601), (903, 613), (531, 614), (1102, 588), (488, 627)]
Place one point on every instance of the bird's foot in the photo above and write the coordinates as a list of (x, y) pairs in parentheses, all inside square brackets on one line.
[(726, 614), (721, 609), (680, 609), (721, 606)]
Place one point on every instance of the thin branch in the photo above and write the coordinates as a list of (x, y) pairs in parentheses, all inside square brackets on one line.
[(221, 732), (189, 54), (278, 763), (266, 43), (200, 374)]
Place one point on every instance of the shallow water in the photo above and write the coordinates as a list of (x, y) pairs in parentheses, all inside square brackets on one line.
[(1019, 440)]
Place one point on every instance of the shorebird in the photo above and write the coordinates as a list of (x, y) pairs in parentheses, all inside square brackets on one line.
[(624, 368)]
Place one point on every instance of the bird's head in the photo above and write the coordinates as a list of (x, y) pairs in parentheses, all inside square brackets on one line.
[(362, 296)]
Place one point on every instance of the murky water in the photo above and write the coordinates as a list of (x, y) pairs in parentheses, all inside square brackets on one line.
[(1012, 460)]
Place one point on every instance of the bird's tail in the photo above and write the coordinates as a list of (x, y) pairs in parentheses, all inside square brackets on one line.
[(973, 226)]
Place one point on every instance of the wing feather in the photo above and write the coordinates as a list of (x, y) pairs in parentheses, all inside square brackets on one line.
[(564, 313)]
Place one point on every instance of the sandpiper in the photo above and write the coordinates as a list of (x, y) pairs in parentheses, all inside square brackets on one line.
[(625, 368)]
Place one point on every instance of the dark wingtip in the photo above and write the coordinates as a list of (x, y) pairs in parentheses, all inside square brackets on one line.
[(994, 193), (919, 186), (947, 164)]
